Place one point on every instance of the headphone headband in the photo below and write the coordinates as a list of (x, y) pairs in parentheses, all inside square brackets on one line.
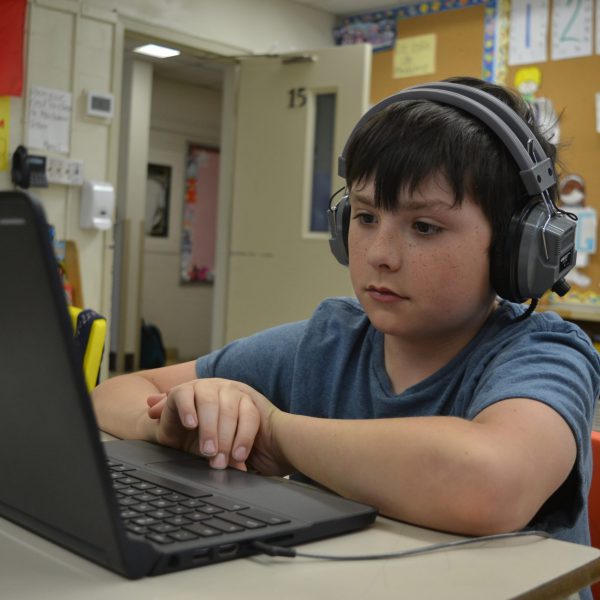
[(536, 169)]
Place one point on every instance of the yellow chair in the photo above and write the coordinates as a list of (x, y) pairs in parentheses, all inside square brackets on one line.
[(90, 335)]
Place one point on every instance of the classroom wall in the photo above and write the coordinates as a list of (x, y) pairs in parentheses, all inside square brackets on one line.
[(76, 45)]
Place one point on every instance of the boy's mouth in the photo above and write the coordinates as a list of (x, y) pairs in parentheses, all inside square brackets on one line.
[(383, 294)]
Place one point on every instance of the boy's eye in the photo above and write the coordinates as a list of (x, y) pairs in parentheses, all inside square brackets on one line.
[(365, 218), (426, 228)]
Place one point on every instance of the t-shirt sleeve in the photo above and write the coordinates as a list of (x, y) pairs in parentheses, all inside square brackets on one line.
[(264, 361), (561, 369)]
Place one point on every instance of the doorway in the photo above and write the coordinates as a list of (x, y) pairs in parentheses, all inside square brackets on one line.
[(168, 105)]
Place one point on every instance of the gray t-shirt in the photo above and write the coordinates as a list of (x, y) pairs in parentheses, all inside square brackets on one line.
[(332, 365)]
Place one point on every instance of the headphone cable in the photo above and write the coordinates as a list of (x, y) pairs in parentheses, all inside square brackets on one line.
[(273, 550)]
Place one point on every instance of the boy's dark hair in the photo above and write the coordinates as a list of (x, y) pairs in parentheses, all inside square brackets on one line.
[(408, 142)]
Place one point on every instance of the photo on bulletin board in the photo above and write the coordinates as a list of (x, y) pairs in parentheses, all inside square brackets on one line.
[(158, 200), (198, 239)]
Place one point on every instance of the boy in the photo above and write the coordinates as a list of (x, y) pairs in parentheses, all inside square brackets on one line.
[(428, 397)]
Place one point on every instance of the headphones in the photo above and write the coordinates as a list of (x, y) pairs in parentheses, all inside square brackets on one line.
[(539, 249)]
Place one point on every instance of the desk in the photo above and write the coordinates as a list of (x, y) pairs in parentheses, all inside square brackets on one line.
[(526, 568)]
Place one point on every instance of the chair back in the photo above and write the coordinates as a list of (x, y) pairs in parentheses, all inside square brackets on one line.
[(90, 334)]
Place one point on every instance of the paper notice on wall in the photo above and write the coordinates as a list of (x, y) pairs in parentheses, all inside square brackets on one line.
[(414, 56), (528, 32), (597, 112), (4, 131), (571, 28), (49, 123)]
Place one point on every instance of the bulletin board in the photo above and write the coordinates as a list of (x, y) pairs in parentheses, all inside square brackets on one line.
[(571, 84), (459, 48), (463, 32)]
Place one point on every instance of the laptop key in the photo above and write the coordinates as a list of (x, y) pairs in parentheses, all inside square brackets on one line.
[(127, 501), (158, 491), (145, 497), (180, 510), (179, 521), (139, 529), (202, 530), (145, 521), (223, 526), (174, 497), (143, 507), (160, 538), (121, 468), (162, 503), (163, 528), (192, 503), (161, 513), (210, 510), (126, 480), (242, 520), (183, 536), (182, 488), (265, 517), (143, 485), (225, 503), (197, 516), (129, 514)]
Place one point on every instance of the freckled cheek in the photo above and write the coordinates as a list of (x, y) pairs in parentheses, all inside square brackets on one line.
[(442, 274)]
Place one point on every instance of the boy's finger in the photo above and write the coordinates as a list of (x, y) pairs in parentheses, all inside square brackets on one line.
[(247, 429)]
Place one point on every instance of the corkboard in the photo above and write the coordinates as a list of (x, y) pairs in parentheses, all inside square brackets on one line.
[(571, 84), (459, 50)]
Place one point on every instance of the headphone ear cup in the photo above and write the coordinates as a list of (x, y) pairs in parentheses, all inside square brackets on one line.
[(339, 223), (503, 259), (539, 250)]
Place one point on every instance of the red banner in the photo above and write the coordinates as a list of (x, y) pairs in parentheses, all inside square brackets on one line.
[(12, 33)]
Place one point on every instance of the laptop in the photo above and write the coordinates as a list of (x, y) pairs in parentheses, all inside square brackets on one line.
[(131, 506)]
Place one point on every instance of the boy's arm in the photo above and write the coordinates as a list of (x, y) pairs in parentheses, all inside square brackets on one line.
[(121, 405), (473, 477)]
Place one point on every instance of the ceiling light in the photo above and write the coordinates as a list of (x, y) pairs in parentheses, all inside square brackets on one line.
[(156, 51)]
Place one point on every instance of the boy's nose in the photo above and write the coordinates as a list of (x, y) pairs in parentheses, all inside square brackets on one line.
[(386, 251)]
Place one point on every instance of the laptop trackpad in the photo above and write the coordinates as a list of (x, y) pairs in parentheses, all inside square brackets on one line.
[(198, 471)]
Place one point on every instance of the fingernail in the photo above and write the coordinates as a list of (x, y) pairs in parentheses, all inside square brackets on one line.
[(209, 448), (240, 453), (190, 421), (219, 461)]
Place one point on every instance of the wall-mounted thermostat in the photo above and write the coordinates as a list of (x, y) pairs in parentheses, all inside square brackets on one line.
[(100, 105)]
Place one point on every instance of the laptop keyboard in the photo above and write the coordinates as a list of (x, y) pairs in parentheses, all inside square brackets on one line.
[(167, 512)]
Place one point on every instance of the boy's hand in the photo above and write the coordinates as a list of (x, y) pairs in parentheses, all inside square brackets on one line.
[(226, 421)]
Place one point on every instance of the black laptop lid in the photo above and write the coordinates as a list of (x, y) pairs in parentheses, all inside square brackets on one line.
[(50, 452)]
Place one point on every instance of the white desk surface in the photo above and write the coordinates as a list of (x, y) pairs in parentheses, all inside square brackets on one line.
[(528, 567)]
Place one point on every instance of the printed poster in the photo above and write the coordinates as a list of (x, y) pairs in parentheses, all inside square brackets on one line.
[(571, 28), (415, 55), (528, 32)]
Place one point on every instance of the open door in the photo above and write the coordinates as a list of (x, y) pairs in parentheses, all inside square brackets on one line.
[(293, 117)]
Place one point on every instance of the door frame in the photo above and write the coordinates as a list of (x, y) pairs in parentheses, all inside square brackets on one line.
[(227, 146)]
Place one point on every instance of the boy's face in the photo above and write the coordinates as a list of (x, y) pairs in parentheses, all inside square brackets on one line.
[(422, 270)]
